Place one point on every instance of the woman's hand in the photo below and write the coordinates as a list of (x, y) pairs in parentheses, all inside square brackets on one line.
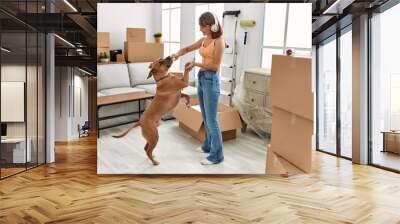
[(189, 66), (175, 56), (178, 54)]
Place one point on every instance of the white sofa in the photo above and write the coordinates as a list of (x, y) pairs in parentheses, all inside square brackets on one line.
[(124, 78)]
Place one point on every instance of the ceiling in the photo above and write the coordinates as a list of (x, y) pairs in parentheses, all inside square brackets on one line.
[(329, 16), (76, 22)]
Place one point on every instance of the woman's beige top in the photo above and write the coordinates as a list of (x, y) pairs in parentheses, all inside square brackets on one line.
[(207, 53)]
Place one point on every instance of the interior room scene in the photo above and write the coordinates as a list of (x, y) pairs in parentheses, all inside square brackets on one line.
[(335, 64), (45, 83), (343, 135), (253, 32), (22, 107)]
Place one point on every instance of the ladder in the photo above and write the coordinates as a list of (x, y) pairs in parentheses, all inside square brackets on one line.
[(228, 66)]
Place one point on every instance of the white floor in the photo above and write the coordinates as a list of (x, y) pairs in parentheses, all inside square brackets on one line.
[(176, 153)]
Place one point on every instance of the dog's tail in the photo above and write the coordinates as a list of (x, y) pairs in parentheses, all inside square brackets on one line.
[(127, 131)]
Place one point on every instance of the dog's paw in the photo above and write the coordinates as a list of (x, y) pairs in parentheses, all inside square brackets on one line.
[(155, 162)]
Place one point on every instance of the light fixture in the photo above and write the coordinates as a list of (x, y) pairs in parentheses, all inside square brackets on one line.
[(70, 5), (65, 41), (5, 50), (86, 72)]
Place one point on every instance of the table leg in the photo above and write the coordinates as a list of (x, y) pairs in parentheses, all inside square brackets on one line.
[(139, 109), (97, 122), (384, 142)]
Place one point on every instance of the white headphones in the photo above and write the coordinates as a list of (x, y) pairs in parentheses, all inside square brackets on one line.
[(214, 27)]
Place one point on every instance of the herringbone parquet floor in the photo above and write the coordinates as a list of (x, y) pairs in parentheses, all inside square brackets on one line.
[(70, 191)]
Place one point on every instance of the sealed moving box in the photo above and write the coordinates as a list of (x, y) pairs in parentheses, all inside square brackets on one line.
[(103, 43), (120, 58), (136, 35), (292, 103), (103, 40), (391, 142), (292, 138), (191, 121), (143, 52), (278, 165), (291, 87)]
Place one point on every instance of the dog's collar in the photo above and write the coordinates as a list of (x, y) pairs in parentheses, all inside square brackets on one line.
[(165, 76)]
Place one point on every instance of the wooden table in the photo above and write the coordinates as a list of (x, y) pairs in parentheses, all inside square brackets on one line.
[(118, 99)]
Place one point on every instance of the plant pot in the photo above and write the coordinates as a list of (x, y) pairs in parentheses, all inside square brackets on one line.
[(104, 59), (157, 40)]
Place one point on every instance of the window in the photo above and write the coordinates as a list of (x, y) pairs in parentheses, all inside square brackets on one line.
[(286, 26), (327, 96), (334, 94), (385, 89), (346, 74), (394, 102), (22, 65), (171, 29)]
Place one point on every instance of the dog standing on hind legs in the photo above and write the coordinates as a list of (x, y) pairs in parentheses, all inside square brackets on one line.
[(167, 96)]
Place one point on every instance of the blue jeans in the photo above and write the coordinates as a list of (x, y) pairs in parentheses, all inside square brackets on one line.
[(208, 93)]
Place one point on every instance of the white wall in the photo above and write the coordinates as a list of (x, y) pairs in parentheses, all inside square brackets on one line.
[(249, 55), (61, 103), (66, 121), (116, 17)]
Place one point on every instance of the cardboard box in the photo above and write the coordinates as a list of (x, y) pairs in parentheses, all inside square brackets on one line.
[(278, 165), (392, 142), (101, 50), (291, 85), (143, 52), (136, 35), (291, 138), (191, 121), (103, 39), (120, 58)]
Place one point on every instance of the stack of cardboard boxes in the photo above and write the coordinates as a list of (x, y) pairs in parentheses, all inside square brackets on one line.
[(103, 43), (138, 50), (292, 103)]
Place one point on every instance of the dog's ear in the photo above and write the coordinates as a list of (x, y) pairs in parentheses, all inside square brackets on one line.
[(150, 74)]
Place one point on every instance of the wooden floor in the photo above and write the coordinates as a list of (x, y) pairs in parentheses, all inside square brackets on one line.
[(176, 152), (70, 191), (387, 159)]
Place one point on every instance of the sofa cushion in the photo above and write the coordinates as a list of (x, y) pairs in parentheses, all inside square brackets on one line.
[(149, 88), (99, 94), (138, 73), (190, 91), (112, 76), (120, 90)]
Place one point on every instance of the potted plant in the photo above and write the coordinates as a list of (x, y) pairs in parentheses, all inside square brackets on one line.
[(157, 37), (104, 57)]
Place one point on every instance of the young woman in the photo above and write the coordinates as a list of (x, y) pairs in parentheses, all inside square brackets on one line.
[(211, 48)]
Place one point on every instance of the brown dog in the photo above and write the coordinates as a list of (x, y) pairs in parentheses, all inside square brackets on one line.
[(167, 96)]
